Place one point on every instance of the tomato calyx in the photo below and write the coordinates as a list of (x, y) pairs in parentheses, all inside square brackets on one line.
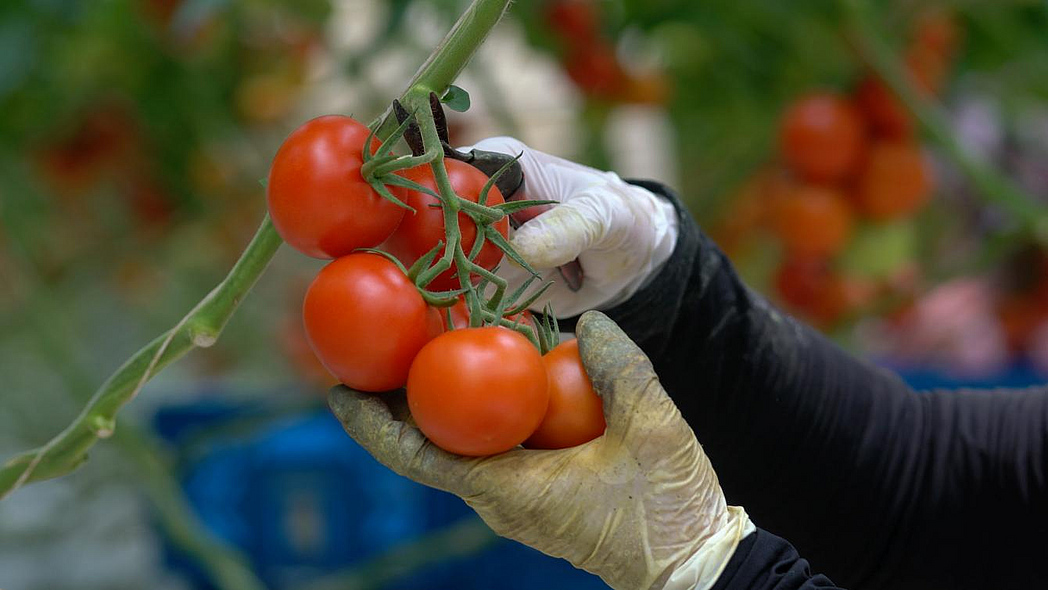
[(467, 189)]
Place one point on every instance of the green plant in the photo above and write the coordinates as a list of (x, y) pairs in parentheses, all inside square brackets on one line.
[(203, 324)]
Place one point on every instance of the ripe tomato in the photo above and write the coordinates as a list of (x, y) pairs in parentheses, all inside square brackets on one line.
[(575, 21), (478, 391), (595, 70), (894, 181), (420, 231), (799, 280), (884, 112), (319, 202), (575, 414), (366, 321), (813, 221), (822, 137), (818, 293)]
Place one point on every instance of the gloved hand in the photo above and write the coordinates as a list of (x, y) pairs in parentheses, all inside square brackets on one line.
[(621, 233), (639, 506)]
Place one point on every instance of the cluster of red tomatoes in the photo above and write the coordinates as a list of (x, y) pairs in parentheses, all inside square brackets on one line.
[(472, 390), (589, 59), (847, 160)]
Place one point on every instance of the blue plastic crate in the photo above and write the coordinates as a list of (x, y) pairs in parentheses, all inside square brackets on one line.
[(303, 501)]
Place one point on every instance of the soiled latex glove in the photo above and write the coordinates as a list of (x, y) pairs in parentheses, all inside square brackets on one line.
[(639, 506), (620, 233)]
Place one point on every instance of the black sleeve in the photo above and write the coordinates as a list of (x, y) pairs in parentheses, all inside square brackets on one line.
[(877, 485), (763, 561)]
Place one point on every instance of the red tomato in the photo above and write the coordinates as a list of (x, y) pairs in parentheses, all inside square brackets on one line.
[(811, 288), (478, 391), (813, 221), (799, 280), (575, 414), (894, 182), (574, 20), (366, 321), (822, 137), (319, 202), (420, 231), (595, 70), (884, 112)]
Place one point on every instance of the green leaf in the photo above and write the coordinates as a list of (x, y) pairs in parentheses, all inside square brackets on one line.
[(523, 305), (514, 206), (264, 182), (456, 98), (385, 255), (497, 239), (424, 262), (385, 194), (397, 180)]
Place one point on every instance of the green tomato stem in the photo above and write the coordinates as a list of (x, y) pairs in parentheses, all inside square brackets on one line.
[(203, 324), (449, 58), (199, 328)]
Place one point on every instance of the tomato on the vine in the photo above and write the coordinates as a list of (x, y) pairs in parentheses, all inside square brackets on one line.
[(459, 313), (818, 292), (822, 137), (813, 220), (894, 182), (885, 113), (420, 231), (595, 69), (318, 200), (478, 391), (575, 414), (366, 321), (798, 281), (574, 20)]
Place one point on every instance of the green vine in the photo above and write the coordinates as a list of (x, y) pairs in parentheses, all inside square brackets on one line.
[(203, 324)]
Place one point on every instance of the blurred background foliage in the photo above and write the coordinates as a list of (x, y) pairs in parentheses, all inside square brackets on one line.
[(133, 134)]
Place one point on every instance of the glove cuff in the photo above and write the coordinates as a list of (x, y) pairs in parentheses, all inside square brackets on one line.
[(701, 570)]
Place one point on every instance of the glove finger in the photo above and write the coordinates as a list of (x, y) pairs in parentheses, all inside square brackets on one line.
[(621, 374), (559, 235), (395, 444)]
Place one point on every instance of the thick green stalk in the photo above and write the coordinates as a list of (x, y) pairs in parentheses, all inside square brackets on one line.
[(466, 537), (451, 56), (199, 328), (203, 324), (226, 567)]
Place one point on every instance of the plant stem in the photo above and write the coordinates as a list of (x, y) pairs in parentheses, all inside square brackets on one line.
[(451, 56), (203, 324), (994, 187), (459, 539), (226, 567), (199, 328)]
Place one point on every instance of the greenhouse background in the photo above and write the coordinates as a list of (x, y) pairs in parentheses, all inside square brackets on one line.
[(134, 134)]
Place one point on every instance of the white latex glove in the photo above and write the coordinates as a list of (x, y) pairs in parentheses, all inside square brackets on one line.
[(622, 234), (639, 506)]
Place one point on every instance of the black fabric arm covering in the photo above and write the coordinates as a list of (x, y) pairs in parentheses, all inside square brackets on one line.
[(876, 485)]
